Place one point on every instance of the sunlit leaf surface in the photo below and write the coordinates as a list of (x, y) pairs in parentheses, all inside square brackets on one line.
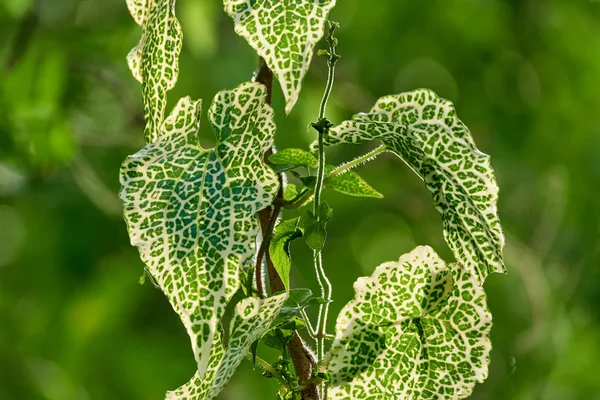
[(416, 329), (155, 60), (284, 33), (191, 211)]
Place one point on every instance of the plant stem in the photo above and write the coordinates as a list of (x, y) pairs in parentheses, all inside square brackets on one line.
[(322, 279), (308, 193), (322, 127), (301, 354), (356, 162), (311, 331), (264, 76), (264, 247)]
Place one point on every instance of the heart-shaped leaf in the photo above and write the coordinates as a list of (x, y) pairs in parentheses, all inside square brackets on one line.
[(192, 212), (284, 33)]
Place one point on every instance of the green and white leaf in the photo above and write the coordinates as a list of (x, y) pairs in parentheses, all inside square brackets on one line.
[(350, 183), (416, 329), (155, 60), (424, 131), (284, 33), (295, 157), (191, 211), (251, 319)]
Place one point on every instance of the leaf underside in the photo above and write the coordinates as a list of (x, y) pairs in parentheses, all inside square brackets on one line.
[(284, 33), (191, 211), (424, 131), (155, 60), (416, 329)]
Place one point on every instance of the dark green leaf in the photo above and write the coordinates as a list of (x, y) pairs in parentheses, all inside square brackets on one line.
[(309, 181), (270, 339), (253, 349), (315, 301), (314, 228), (298, 296), (280, 336), (283, 168), (297, 300), (279, 249)]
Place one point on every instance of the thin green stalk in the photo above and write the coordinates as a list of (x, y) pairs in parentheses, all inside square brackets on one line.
[(356, 162), (309, 328), (322, 127)]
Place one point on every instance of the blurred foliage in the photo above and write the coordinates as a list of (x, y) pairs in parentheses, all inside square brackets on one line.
[(524, 75)]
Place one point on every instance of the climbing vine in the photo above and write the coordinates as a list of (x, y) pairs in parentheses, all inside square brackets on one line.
[(211, 226)]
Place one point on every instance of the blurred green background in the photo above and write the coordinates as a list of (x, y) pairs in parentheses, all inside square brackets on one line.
[(524, 75)]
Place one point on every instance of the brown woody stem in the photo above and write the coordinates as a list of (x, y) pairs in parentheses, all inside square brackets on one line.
[(302, 357)]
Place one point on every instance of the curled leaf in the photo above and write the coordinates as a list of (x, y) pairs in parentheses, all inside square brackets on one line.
[(424, 131), (155, 60)]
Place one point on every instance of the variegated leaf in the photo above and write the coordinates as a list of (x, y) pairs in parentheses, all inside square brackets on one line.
[(284, 33), (191, 211), (424, 131), (251, 319), (155, 60), (416, 329)]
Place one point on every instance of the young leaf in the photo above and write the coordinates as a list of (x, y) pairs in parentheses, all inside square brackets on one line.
[(251, 319), (279, 249), (296, 157), (191, 211), (298, 299), (155, 60), (299, 296), (284, 33), (282, 332), (315, 301), (424, 131), (314, 228), (415, 329), (350, 183), (290, 192)]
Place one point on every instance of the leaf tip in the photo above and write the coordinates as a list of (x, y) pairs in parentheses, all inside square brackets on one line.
[(290, 103)]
